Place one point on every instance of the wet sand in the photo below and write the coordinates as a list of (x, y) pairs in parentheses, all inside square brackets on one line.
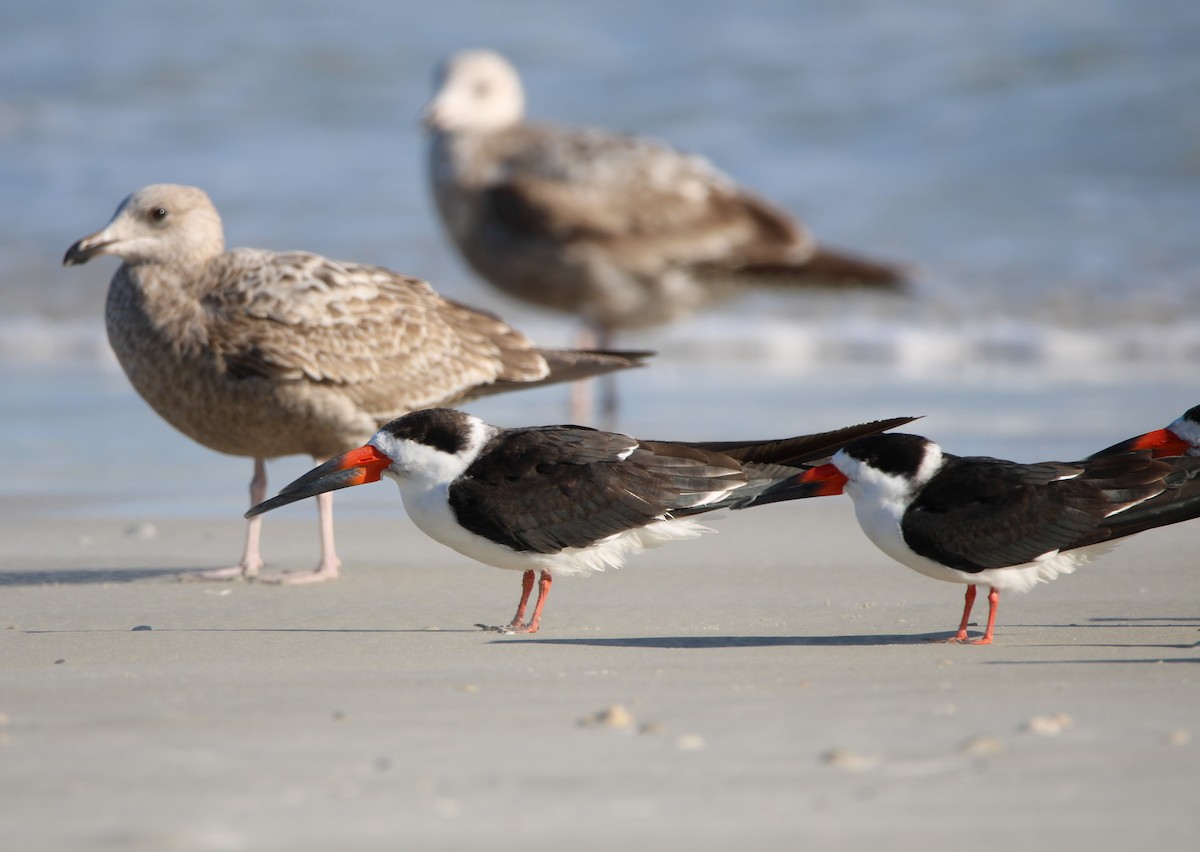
[(774, 683)]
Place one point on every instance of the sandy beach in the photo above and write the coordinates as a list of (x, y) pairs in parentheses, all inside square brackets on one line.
[(776, 680), (770, 687)]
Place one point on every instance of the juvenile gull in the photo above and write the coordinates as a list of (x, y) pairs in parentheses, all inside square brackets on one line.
[(624, 231), (264, 354)]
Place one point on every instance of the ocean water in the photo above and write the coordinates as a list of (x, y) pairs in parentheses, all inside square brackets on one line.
[(1038, 165)]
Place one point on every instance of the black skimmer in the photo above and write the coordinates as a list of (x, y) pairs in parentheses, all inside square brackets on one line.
[(1180, 438), (264, 354), (620, 230), (553, 500), (980, 520)]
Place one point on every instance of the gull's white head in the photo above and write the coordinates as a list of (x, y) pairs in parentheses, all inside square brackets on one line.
[(160, 223), (475, 91)]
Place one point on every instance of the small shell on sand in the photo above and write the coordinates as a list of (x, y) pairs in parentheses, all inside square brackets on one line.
[(613, 716), (982, 746), (1179, 738), (1048, 726), (851, 761)]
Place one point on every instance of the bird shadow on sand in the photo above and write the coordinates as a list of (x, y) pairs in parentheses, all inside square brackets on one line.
[(84, 576), (341, 630), (1108, 661), (701, 642), (863, 640), (667, 642), (1136, 623), (1149, 621)]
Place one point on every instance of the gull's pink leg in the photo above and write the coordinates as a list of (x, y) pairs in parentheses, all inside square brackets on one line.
[(327, 568), (581, 390), (608, 383), (251, 556)]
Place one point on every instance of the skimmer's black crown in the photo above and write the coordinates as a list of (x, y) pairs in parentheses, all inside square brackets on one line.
[(441, 428), (895, 453)]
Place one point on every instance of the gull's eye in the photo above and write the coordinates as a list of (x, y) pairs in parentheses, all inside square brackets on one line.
[(158, 214), (481, 88)]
